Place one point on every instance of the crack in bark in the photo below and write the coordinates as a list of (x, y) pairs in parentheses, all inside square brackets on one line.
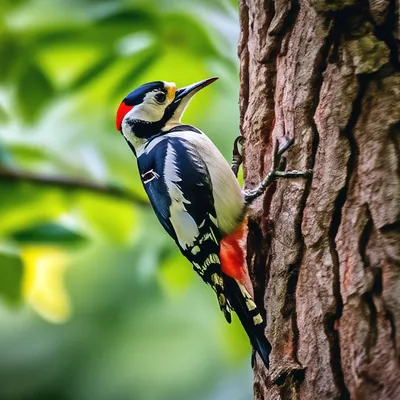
[(255, 242), (289, 307), (333, 230), (376, 285), (385, 32), (289, 384), (281, 24), (267, 230), (329, 322), (364, 238), (394, 135), (372, 336), (395, 226), (390, 317)]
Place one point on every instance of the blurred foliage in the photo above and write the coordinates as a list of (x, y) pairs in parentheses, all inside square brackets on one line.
[(95, 300)]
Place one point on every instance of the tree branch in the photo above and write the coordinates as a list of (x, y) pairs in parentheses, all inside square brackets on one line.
[(71, 183)]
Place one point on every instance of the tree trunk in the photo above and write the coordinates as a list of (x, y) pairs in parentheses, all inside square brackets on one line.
[(324, 253)]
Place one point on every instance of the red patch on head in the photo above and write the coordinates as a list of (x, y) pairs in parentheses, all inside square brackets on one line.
[(123, 109)]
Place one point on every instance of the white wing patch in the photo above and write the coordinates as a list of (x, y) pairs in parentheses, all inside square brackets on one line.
[(228, 197), (184, 225)]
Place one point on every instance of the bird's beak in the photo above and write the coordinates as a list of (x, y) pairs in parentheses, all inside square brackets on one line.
[(189, 91), (183, 97)]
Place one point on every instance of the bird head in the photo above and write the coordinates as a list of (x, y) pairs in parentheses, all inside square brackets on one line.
[(153, 108)]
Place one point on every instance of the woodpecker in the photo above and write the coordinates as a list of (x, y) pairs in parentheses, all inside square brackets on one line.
[(196, 196)]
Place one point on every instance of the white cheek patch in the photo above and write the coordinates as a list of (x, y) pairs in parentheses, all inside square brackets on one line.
[(147, 112)]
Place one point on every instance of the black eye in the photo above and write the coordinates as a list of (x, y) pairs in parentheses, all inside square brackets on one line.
[(160, 97)]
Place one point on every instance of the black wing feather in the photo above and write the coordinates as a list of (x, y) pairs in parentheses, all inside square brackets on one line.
[(195, 184), (156, 189)]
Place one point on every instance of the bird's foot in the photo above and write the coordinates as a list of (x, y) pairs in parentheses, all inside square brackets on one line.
[(237, 157), (276, 171)]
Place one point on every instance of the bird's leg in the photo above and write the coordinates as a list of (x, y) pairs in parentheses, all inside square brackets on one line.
[(237, 158), (275, 171)]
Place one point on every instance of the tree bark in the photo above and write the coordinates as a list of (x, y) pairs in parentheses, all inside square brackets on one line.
[(324, 253)]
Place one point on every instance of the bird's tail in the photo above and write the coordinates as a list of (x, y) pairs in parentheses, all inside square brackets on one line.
[(249, 315)]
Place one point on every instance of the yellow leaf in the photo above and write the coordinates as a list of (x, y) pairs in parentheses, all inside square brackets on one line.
[(43, 282)]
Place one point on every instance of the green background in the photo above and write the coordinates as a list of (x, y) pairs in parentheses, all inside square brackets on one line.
[(95, 300)]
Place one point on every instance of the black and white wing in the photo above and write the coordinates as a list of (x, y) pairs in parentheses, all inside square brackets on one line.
[(179, 187)]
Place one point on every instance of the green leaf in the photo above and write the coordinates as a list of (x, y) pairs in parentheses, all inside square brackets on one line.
[(49, 233), (110, 218), (9, 52), (65, 61), (92, 72), (11, 271), (23, 205), (140, 63), (25, 153), (125, 21), (33, 91), (185, 33)]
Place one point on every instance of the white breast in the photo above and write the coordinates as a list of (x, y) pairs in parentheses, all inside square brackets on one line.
[(228, 196)]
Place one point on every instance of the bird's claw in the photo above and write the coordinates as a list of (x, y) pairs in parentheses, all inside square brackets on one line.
[(285, 145), (277, 170), (238, 142), (237, 157)]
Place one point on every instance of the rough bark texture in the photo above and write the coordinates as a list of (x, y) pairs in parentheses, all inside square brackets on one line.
[(324, 254)]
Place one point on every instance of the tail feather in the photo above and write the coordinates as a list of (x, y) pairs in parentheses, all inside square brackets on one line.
[(249, 315)]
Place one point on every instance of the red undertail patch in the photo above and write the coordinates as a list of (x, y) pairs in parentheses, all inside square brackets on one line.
[(233, 256)]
